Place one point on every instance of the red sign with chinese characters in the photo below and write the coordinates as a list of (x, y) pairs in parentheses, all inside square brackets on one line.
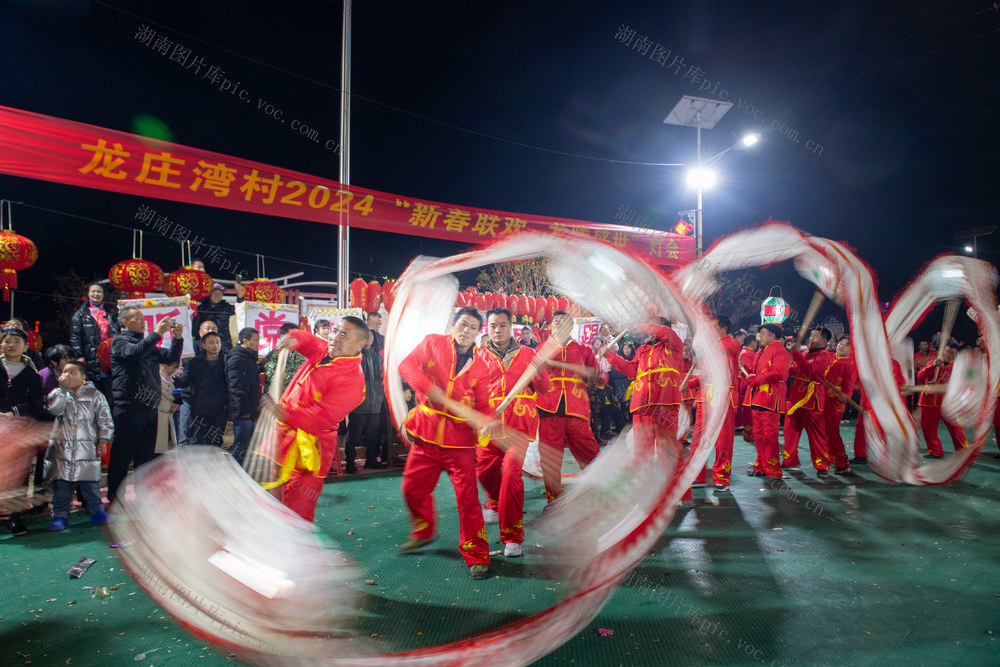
[(53, 149)]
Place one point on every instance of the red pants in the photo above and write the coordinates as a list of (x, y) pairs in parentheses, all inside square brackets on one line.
[(420, 475), (860, 444), (303, 488), (500, 474), (834, 442), (554, 434), (765, 429), (723, 445), (929, 418), (811, 421)]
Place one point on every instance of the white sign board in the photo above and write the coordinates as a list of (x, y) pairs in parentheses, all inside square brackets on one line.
[(266, 318), (331, 314), (153, 310)]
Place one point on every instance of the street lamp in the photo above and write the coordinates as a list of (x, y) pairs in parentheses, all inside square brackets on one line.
[(701, 112)]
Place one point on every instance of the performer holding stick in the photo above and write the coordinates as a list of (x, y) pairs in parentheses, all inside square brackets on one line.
[(930, 405), (765, 395), (500, 472), (445, 371), (839, 380)]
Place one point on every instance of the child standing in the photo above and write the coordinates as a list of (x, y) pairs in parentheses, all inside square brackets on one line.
[(83, 428)]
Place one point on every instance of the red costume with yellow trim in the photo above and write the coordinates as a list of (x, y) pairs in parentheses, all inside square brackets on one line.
[(500, 472), (656, 394), (842, 374), (930, 412), (806, 399), (444, 441), (765, 395), (322, 392), (711, 394), (565, 416), (860, 444), (744, 416), (920, 359)]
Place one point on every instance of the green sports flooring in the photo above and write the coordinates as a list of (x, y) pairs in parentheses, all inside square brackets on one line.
[(848, 571)]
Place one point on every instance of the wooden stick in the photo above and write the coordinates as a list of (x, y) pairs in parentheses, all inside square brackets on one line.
[(814, 305), (950, 313), (574, 368), (552, 345), (614, 341), (908, 389), (849, 399)]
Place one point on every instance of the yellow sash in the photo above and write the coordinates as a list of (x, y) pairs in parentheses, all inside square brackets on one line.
[(805, 399), (303, 453)]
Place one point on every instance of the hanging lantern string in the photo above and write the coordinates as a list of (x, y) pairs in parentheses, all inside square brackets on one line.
[(135, 233), (5, 206)]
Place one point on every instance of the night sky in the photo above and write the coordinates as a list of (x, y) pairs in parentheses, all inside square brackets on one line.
[(879, 120)]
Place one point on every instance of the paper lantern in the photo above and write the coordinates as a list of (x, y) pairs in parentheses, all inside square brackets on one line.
[(522, 306), (35, 339), (773, 309), (136, 277), (188, 281), (479, 301), (539, 308), (373, 296), (562, 303), (16, 252), (263, 290), (388, 296), (357, 290), (551, 306)]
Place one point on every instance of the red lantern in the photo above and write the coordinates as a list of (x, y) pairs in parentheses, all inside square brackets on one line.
[(500, 301), (263, 290), (551, 306), (188, 281), (104, 356), (387, 293), (136, 277), (480, 301), (357, 289), (16, 252), (35, 339), (373, 296), (539, 308), (562, 303)]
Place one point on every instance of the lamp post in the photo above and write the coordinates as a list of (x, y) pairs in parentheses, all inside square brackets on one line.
[(701, 112), (974, 234)]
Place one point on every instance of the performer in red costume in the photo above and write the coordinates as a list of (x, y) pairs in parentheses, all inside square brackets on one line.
[(744, 416), (708, 392), (565, 411), (841, 375), (656, 396), (805, 404), (860, 444), (766, 397), (930, 406), (923, 356), (323, 391), (444, 368), (500, 471)]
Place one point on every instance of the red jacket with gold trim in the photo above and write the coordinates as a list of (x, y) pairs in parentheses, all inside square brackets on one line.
[(324, 389), (655, 368), (432, 363), (571, 385), (707, 391), (522, 413), (766, 386), (842, 374), (926, 376), (808, 371)]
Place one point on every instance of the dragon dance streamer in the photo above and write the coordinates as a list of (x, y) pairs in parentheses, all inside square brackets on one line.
[(239, 569), (837, 271)]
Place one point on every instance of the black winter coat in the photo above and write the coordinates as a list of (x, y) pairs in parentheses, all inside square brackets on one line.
[(24, 396), (207, 382), (135, 367), (218, 313), (243, 377), (85, 335)]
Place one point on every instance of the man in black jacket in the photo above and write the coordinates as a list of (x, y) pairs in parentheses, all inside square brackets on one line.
[(243, 377), (206, 378), (363, 423), (218, 310), (135, 387)]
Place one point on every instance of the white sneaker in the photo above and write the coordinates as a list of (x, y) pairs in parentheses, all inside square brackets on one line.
[(512, 550), (491, 516)]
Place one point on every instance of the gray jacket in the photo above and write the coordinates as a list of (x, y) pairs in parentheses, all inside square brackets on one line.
[(82, 419)]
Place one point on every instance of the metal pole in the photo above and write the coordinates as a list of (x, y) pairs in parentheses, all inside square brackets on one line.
[(697, 224), (343, 237)]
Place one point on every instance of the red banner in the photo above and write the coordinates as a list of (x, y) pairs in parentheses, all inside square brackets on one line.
[(52, 149)]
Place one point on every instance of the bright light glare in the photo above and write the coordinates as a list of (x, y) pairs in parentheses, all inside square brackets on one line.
[(700, 178), (968, 248), (751, 139)]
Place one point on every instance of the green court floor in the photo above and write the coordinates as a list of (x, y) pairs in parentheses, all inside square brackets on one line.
[(846, 571)]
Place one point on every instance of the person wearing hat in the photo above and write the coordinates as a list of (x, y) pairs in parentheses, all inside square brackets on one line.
[(766, 397), (218, 310)]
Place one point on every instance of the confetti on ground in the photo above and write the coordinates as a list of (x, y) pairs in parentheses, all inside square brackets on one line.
[(604, 632)]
